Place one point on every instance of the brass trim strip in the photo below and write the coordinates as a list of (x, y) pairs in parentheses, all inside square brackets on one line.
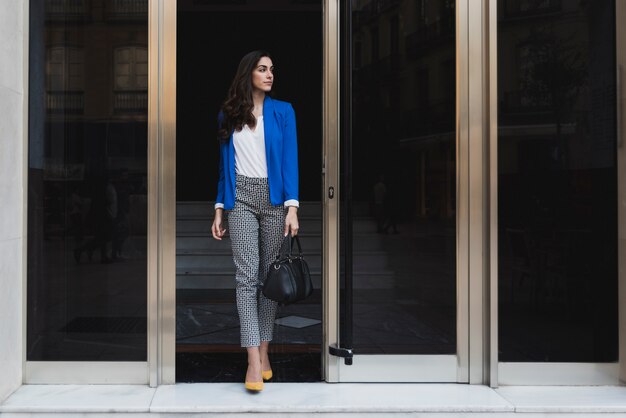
[(462, 189), (25, 167), (330, 245), (167, 194), (153, 128), (493, 190), (162, 193)]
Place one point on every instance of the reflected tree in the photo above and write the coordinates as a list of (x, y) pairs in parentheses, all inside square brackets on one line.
[(552, 72)]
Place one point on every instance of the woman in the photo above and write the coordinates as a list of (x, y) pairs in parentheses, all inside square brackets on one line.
[(258, 188)]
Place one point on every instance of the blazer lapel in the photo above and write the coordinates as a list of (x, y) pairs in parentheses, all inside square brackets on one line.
[(269, 125)]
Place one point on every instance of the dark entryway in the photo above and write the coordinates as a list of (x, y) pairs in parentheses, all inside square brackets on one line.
[(212, 37)]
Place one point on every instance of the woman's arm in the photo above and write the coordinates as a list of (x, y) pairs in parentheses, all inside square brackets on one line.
[(291, 221), (290, 158), (217, 230), (219, 199), (290, 171)]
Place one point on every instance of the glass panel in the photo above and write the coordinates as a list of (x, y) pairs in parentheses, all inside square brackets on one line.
[(207, 332), (399, 177), (557, 181), (87, 207)]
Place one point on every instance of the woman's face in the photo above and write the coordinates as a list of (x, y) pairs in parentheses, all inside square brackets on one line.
[(263, 75)]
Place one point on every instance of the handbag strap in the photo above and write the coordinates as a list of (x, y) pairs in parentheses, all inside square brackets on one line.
[(297, 238), (286, 248)]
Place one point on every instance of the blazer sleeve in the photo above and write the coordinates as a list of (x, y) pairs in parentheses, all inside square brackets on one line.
[(290, 158), (219, 199)]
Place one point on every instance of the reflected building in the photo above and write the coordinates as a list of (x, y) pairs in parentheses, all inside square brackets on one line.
[(404, 90), (402, 176), (88, 182), (557, 180)]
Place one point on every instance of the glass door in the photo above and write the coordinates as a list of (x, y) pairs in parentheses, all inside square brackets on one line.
[(90, 148), (559, 152), (398, 175)]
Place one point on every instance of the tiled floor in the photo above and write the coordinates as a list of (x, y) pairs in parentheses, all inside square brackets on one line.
[(300, 399)]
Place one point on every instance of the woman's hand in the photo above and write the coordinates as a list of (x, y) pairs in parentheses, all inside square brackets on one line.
[(216, 228), (291, 221)]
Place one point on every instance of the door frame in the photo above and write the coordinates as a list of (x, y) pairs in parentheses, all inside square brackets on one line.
[(109, 372), (162, 220), (472, 265), (159, 368), (330, 173), (162, 290)]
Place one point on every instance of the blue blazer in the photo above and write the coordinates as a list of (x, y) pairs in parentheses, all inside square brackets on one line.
[(281, 152)]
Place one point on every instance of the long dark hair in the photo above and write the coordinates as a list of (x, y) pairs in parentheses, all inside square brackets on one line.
[(237, 108)]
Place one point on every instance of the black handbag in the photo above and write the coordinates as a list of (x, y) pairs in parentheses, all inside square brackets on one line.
[(288, 279)]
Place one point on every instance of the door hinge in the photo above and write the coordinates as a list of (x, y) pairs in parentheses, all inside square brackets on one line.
[(346, 353)]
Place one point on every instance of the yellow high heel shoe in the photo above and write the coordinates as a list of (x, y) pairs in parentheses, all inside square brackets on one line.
[(267, 374), (254, 386)]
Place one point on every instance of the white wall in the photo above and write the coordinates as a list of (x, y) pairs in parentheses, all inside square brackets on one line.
[(13, 105)]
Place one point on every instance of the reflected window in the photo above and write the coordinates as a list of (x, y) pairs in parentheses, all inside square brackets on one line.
[(65, 75), (65, 68), (131, 68), (127, 10), (131, 79), (530, 7), (65, 9)]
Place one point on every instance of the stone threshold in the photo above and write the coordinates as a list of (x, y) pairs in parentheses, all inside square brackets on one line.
[(305, 399)]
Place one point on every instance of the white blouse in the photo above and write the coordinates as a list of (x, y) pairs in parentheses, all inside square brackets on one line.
[(250, 160), (249, 145)]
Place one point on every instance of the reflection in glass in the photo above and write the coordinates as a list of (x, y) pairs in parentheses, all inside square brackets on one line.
[(557, 181), (400, 171), (87, 180)]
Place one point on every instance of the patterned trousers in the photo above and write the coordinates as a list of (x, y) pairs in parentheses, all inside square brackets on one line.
[(256, 234)]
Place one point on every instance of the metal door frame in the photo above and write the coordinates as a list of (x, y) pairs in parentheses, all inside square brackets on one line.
[(471, 137), (470, 262), (330, 171), (162, 285), (120, 372)]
